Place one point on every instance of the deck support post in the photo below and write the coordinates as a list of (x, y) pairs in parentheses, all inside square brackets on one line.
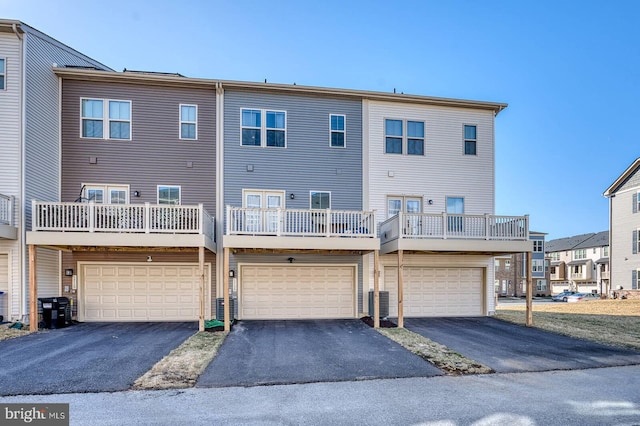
[(202, 284), (376, 289), (33, 290), (529, 302), (227, 320), (400, 289)]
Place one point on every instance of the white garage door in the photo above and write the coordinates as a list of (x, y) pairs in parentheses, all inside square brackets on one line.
[(4, 286), (436, 292), (296, 292), (141, 292)]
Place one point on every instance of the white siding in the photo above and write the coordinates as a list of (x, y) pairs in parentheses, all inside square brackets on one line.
[(443, 171), (48, 275), (10, 160)]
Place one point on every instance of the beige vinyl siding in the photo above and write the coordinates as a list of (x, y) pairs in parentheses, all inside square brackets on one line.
[(443, 171), (48, 272), (154, 156), (4, 286)]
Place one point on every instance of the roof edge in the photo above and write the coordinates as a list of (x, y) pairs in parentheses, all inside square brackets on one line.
[(614, 186), (87, 74)]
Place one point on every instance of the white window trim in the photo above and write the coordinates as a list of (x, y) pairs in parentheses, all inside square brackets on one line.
[(105, 187), (263, 192), (318, 192), (403, 204), (344, 132), (464, 140), (539, 244), (405, 137), (106, 120), (169, 186), (263, 128), (181, 122), (537, 265), (575, 254), (3, 73)]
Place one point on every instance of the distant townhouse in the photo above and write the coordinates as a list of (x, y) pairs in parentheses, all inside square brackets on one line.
[(511, 271), (579, 263), (624, 221), (29, 163)]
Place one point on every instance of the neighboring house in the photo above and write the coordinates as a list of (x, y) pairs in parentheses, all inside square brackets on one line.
[(624, 221), (579, 263), (138, 194), (511, 273), (429, 175), (29, 166)]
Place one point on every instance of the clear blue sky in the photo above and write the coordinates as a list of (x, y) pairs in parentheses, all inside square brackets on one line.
[(568, 70)]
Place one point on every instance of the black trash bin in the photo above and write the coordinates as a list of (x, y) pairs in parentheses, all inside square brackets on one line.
[(55, 312)]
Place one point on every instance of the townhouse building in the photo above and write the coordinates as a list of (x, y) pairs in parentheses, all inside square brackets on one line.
[(511, 271), (624, 223), (579, 263), (187, 199), (30, 162)]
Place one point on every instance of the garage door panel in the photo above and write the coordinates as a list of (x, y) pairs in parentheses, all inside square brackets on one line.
[(292, 292), (436, 291), (141, 293)]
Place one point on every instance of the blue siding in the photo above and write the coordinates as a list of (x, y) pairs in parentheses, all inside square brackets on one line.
[(307, 163)]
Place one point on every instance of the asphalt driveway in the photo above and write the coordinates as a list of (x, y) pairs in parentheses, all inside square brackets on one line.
[(507, 347), (89, 357), (282, 352)]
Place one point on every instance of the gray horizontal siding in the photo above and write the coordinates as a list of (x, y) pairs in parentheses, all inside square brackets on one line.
[(154, 156), (307, 163), (42, 148)]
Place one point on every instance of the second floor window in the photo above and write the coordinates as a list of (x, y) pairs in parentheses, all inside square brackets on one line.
[(268, 132), (188, 122), (555, 256), (338, 132), (605, 251), (106, 119), (395, 141), (580, 254), (3, 73), (168, 194), (537, 265), (538, 246), (470, 140)]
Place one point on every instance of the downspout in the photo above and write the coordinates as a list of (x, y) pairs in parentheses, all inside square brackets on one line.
[(21, 205)]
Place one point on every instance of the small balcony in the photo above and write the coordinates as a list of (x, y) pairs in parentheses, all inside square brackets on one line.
[(557, 271), (444, 232), (130, 225), (582, 270), (8, 230), (300, 229)]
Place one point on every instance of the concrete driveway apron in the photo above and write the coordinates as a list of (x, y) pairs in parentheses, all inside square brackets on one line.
[(89, 357), (282, 352), (507, 347)]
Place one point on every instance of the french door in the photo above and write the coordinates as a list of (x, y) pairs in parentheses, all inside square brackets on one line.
[(263, 210)]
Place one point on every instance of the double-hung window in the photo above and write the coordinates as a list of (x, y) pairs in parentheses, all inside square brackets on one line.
[(397, 143), (169, 194), (3, 73), (338, 136), (537, 265), (268, 132), (579, 254), (106, 119), (188, 121), (538, 246), (470, 140)]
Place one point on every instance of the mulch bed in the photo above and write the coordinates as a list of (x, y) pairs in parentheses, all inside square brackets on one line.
[(384, 323)]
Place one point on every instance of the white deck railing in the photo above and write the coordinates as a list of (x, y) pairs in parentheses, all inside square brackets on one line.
[(6, 209), (139, 218), (450, 226), (300, 223)]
